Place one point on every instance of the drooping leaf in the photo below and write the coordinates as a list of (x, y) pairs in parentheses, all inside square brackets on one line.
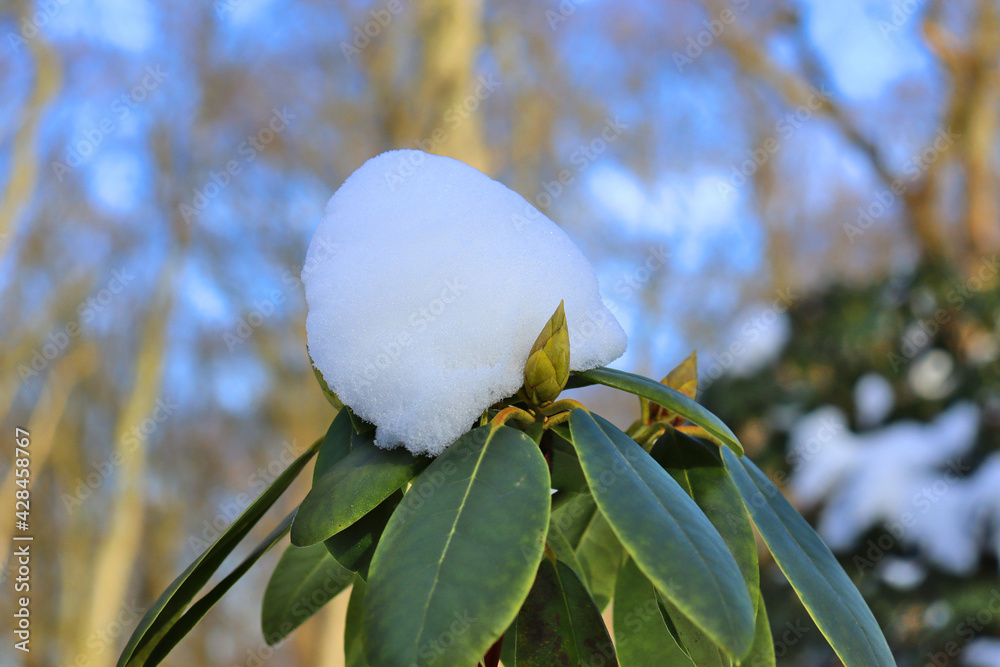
[(304, 580), (668, 536), (171, 604), (354, 626), (669, 398), (352, 487), (354, 546), (641, 636), (451, 571), (762, 652), (699, 470), (559, 624), (597, 549), (821, 583), (701, 650)]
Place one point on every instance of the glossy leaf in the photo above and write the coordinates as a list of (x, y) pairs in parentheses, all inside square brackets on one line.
[(352, 487), (665, 532), (354, 626), (565, 466), (669, 398), (304, 580), (821, 583), (701, 650), (596, 547), (452, 570), (564, 551), (336, 444), (559, 624), (173, 601), (354, 546), (762, 652), (699, 470), (641, 636)]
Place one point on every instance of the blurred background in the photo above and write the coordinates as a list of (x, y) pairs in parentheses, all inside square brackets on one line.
[(804, 192)]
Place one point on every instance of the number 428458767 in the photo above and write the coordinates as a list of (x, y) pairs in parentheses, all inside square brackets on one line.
[(22, 475)]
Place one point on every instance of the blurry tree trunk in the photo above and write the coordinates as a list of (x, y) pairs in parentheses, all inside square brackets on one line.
[(20, 186), (451, 35), (440, 112), (117, 553)]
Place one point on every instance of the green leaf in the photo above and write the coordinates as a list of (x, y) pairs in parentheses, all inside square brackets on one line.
[(352, 487), (699, 470), (354, 628), (337, 444), (671, 540), (641, 636), (596, 546), (172, 602), (821, 583), (563, 550), (452, 570), (696, 644), (173, 634), (354, 546), (565, 466), (559, 624), (669, 398), (304, 580), (762, 652)]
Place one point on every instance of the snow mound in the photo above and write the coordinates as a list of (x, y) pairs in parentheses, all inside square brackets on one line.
[(427, 284)]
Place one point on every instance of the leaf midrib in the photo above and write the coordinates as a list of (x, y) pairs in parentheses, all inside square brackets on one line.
[(451, 534), (715, 583)]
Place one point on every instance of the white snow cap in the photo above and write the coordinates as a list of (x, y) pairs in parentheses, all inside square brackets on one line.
[(427, 283)]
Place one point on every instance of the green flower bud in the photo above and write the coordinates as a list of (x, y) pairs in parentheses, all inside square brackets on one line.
[(547, 369)]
